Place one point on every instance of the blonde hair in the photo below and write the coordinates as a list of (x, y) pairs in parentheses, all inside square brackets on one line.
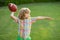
[(22, 13)]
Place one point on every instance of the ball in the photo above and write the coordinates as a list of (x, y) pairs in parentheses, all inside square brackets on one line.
[(12, 7)]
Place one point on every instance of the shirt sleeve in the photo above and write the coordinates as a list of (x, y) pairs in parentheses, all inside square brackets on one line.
[(33, 18)]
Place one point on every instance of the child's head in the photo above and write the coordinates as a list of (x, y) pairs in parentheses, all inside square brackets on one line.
[(24, 13)]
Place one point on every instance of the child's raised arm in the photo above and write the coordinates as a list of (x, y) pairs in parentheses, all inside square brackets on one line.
[(14, 17)]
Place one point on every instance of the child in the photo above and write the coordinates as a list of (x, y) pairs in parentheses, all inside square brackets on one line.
[(25, 21)]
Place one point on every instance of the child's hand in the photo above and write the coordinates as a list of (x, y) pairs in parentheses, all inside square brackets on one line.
[(12, 12), (49, 18)]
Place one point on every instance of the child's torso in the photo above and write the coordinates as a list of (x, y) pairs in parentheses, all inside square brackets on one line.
[(25, 24)]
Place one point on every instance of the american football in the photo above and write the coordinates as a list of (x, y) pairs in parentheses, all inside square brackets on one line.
[(12, 7)]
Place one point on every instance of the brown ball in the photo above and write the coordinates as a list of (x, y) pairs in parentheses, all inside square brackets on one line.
[(12, 7)]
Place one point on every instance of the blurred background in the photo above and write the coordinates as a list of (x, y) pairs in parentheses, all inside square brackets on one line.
[(42, 29)]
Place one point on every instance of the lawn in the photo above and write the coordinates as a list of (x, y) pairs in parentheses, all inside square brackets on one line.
[(41, 30)]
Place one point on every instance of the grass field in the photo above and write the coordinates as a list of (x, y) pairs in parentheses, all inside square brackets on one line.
[(41, 30)]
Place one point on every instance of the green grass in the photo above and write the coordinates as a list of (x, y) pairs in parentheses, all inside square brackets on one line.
[(41, 30)]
